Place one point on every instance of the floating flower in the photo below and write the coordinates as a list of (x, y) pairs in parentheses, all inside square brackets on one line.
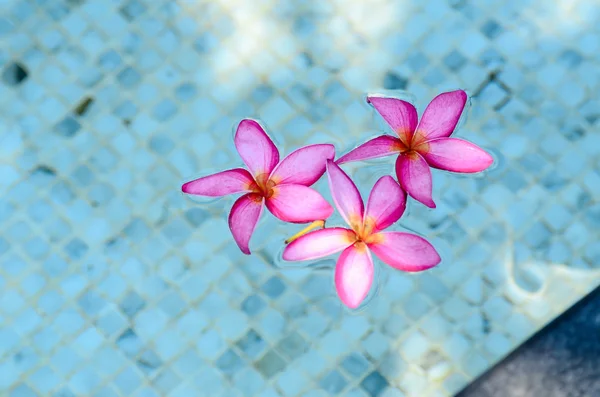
[(423, 144), (281, 186), (354, 267)]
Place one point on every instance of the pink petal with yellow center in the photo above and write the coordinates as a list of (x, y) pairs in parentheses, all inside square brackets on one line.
[(354, 275), (243, 218), (400, 115), (319, 244), (255, 148), (456, 155), (303, 166), (440, 116), (381, 146), (414, 176), (405, 251), (386, 205), (298, 204), (345, 195), (220, 184)]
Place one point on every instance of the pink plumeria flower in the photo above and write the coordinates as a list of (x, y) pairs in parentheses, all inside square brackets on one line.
[(281, 186), (354, 268), (422, 144)]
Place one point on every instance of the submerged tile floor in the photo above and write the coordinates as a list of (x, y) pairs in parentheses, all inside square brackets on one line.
[(114, 284)]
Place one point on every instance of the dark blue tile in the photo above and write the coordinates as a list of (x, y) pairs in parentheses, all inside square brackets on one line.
[(355, 364), (454, 61), (14, 74), (132, 9), (252, 305), (570, 58), (76, 249), (273, 287), (252, 344), (129, 343), (393, 81), (42, 176), (374, 384), (67, 127), (491, 29)]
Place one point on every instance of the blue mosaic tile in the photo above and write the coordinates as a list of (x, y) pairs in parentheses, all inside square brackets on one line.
[(333, 383), (252, 344), (129, 343), (273, 288), (270, 364), (374, 384), (229, 363), (166, 381)]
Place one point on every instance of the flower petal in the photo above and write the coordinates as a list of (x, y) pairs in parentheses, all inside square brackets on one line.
[(354, 275), (319, 244), (243, 218), (345, 195), (386, 204), (400, 115), (440, 116), (457, 155), (405, 251), (298, 204), (303, 166), (414, 176), (220, 184), (381, 146), (256, 148)]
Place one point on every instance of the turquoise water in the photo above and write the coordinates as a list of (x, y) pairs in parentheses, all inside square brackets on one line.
[(112, 283)]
